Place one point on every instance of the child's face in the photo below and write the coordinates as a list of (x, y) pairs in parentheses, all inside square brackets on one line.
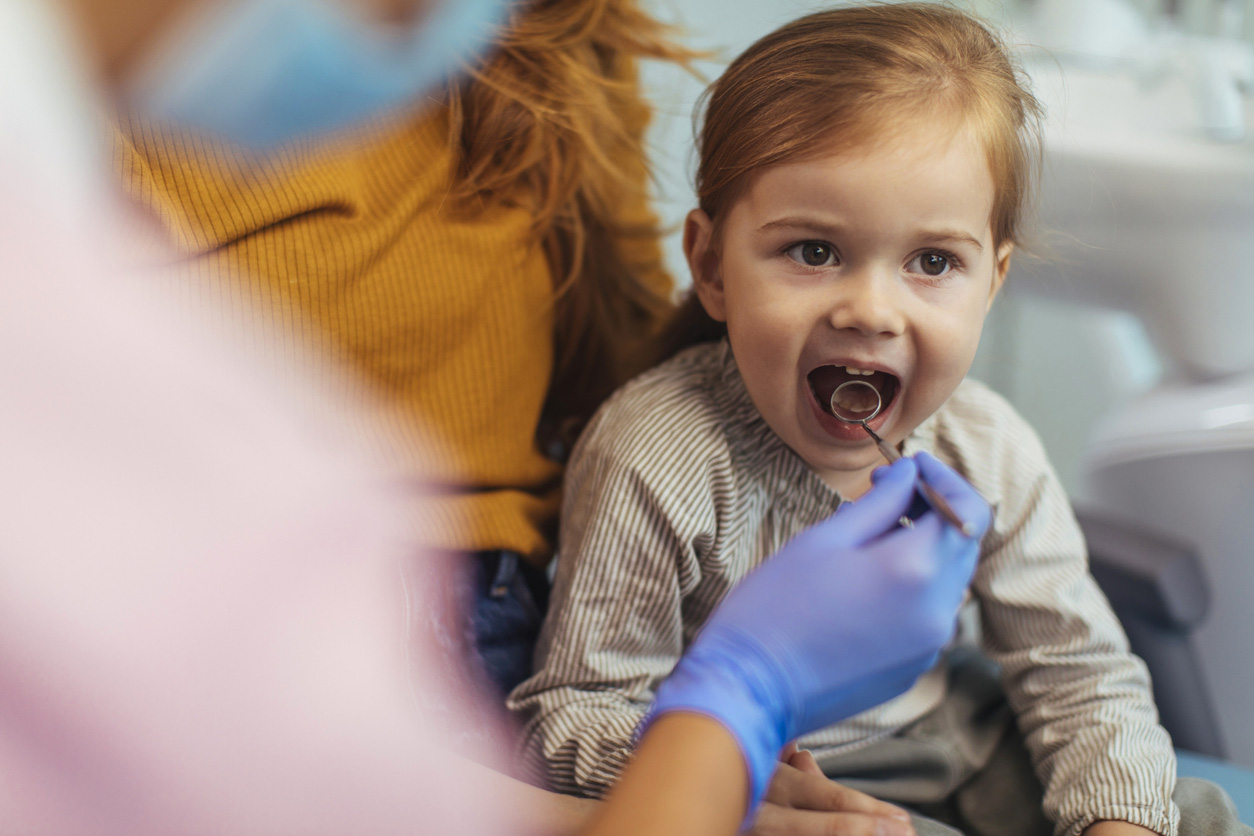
[(881, 259)]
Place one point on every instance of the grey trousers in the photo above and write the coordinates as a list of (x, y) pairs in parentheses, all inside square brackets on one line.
[(963, 770)]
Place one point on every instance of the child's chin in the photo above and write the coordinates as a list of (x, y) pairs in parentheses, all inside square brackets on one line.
[(850, 471)]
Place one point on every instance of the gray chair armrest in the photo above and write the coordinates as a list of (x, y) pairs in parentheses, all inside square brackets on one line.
[(1158, 589), (1161, 579)]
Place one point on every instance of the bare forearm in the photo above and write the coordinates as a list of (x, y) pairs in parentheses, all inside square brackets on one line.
[(688, 778), (533, 811)]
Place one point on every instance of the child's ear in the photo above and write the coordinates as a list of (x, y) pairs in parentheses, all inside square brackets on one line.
[(703, 262), (1004, 252)]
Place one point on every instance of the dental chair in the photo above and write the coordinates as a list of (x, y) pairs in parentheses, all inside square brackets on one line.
[(1157, 587)]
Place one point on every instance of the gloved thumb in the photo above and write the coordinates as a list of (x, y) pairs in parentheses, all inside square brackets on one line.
[(877, 511)]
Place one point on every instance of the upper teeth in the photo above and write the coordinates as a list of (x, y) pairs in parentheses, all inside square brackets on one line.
[(852, 370)]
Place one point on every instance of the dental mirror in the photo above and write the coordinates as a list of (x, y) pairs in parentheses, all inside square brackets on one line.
[(856, 402)]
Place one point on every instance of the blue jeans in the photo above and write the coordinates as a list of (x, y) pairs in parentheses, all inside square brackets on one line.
[(510, 597)]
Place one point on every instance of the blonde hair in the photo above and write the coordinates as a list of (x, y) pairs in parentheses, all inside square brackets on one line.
[(843, 78), (552, 120)]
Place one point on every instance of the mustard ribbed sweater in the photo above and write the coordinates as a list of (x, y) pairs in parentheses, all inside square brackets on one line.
[(448, 320)]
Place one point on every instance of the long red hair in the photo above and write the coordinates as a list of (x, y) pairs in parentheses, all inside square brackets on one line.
[(552, 120)]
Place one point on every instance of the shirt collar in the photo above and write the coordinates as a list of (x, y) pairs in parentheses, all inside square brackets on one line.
[(754, 444)]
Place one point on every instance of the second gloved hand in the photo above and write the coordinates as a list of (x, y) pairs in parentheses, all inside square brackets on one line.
[(868, 605)]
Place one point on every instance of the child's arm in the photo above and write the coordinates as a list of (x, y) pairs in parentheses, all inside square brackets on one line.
[(614, 628), (1083, 701)]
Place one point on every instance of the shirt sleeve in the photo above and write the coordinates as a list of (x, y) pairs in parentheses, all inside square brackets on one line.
[(1082, 699), (615, 627)]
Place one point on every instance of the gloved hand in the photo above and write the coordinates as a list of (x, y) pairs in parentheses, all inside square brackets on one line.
[(868, 605)]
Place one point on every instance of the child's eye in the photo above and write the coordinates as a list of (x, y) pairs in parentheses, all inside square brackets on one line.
[(812, 253), (932, 263)]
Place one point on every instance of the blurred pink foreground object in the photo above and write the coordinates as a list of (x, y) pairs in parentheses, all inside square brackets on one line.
[(201, 623)]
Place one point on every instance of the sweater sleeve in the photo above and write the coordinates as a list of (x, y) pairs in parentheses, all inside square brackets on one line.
[(1083, 701)]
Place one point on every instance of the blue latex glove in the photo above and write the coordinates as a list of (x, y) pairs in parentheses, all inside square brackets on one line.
[(843, 618)]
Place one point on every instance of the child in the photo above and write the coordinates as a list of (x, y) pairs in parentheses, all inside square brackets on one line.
[(861, 180)]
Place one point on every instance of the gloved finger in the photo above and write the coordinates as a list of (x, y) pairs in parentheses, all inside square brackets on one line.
[(964, 499), (878, 510), (932, 558), (774, 820), (880, 471)]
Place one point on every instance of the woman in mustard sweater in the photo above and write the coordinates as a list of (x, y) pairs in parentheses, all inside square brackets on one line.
[(487, 265)]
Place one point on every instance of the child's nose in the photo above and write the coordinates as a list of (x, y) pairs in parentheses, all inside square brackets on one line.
[(865, 301)]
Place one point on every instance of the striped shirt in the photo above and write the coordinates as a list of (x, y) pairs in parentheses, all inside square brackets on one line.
[(678, 488)]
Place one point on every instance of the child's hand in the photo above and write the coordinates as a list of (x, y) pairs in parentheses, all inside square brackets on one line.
[(1117, 828), (801, 801)]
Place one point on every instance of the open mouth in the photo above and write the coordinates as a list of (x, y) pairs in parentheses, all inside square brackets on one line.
[(857, 403)]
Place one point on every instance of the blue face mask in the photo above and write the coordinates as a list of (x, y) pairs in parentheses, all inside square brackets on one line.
[(261, 72)]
